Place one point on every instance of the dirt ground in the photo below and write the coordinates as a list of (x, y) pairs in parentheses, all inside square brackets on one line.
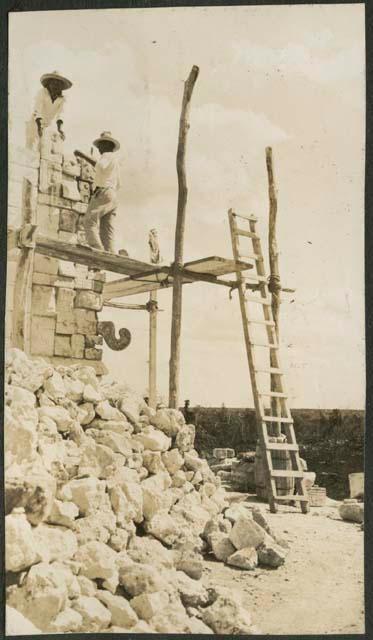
[(319, 589)]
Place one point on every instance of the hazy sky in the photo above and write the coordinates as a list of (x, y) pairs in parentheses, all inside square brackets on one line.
[(291, 77)]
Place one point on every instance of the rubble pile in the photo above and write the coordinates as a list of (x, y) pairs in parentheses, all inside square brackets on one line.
[(110, 510)]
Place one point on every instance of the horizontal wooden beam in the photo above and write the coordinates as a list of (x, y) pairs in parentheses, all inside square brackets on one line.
[(102, 260)]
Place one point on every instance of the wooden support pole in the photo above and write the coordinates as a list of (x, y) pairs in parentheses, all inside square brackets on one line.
[(274, 281), (174, 373), (153, 310)]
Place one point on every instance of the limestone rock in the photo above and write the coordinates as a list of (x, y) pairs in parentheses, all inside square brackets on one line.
[(168, 420), (261, 520), (218, 524), (147, 550), (197, 626), (152, 461), (192, 592), (86, 493), (352, 511), (20, 437), (246, 533), (147, 605), (153, 439), (97, 527), (97, 560), (163, 527), (179, 479), (63, 513), (32, 487), (86, 413), (54, 387), (74, 389), (235, 511), (185, 438), (119, 540), (17, 625), (54, 542), (172, 460), (271, 554), (66, 621), (227, 616), (59, 415), (87, 586), (122, 612), (107, 412), (98, 460), (20, 547), (43, 594), (95, 615), (246, 558), (91, 395), (141, 578), (221, 546), (116, 442), (155, 495), (134, 495)]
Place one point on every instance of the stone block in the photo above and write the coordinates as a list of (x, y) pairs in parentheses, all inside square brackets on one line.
[(50, 280), (69, 238), (70, 190), (93, 354), (92, 341), (80, 207), (65, 300), (48, 219), (77, 346), (62, 346), (54, 201), (70, 167), (97, 286), (43, 300), (18, 172), (86, 321), (246, 533), (88, 300), (87, 171), (66, 269), (221, 546), (68, 220), (84, 284), (42, 335), (246, 558), (44, 264)]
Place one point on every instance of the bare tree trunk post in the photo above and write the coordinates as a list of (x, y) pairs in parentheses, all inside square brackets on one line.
[(274, 281), (174, 373), (153, 310)]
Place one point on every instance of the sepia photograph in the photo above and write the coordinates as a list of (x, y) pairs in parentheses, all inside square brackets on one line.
[(184, 377)]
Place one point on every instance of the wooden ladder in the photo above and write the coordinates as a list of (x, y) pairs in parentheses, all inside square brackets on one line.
[(249, 284)]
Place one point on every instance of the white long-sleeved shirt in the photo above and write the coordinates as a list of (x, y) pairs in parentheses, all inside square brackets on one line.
[(107, 171), (46, 109)]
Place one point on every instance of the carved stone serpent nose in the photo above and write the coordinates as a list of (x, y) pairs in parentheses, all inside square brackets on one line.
[(106, 329)]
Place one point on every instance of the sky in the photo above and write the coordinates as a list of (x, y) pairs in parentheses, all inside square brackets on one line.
[(289, 77)]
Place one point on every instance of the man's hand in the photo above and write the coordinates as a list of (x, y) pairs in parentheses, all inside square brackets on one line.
[(39, 124), (60, 129)]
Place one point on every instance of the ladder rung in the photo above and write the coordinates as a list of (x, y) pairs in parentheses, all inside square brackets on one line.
[(277, 419), (296, 498), (251, 256), (281, 446), (264, 301), (273, 394), (272, 370), (250, 218), (269, 345), (286, 473), (248, 234), (268, 323)]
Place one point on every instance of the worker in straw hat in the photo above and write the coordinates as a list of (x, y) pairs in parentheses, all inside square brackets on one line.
[(48, 107), (101, 211)]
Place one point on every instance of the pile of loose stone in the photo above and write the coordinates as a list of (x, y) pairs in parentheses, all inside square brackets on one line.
[(110, 511)]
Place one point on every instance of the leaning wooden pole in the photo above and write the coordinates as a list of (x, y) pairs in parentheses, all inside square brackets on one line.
[(174, 373), (274, 279), (153, 311)]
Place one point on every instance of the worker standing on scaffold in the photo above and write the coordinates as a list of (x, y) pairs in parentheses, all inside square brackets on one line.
[(48, 108), (102, 207)]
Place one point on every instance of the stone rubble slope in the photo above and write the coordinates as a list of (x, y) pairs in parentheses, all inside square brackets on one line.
[(110, 510)]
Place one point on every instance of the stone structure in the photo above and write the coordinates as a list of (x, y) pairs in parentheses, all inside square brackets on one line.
[(52, 191)]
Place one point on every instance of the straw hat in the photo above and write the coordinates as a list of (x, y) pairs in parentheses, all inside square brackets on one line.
[(55, 76), (106, 135)]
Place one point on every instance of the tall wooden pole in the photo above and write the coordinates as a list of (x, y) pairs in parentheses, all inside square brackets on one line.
[(274, 281), (153, 310), (174, 372)]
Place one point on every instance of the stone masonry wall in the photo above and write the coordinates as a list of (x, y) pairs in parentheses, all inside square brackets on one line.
[(66, 297)]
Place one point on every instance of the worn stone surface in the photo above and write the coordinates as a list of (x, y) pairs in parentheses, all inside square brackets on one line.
[(122, 612), (221, 546), (95, 615), (20, 546), (246, 558), (246, 533), (271, 554), (352, 511)]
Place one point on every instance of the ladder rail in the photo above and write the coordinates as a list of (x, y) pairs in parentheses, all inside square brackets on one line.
[(281, 417)]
